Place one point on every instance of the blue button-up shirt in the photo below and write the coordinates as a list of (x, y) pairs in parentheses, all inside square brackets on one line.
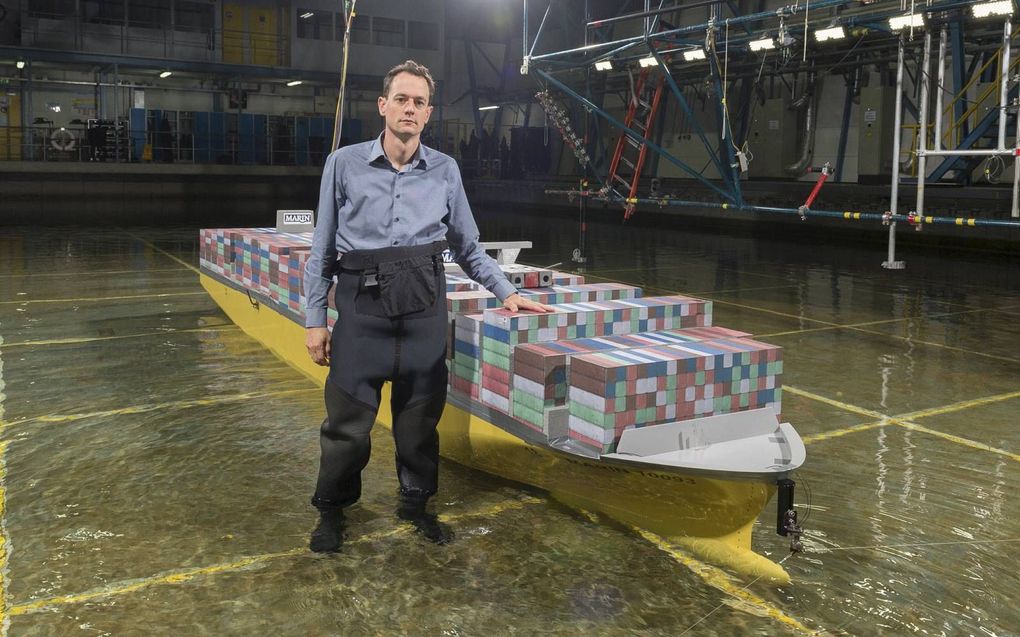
[(364, 203)]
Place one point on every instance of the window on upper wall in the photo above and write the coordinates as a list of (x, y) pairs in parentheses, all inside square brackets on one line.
[(361, 30), (388, 32), (150, 14), (51, 8), (423, 35), (314, 24), (103, 11), (190, 15)]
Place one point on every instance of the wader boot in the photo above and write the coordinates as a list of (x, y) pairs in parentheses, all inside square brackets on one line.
[(328, 535), (412, 508)]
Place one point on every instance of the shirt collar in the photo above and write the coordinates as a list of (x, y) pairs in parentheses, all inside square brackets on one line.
[(420, 158)]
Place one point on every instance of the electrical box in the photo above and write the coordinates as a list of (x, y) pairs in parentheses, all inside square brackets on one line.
[(875, 131), (773, 139)]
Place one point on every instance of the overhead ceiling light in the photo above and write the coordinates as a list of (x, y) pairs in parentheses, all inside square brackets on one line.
[(293, 82), (305, 16), (648, 61), (693, 55), (20, 64), (165, 74), (832, 33), (488, 108), (603, 65), (985, 9), (915, 20), (765, 44)]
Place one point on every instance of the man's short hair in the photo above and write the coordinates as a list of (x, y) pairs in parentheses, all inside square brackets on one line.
[(412, 67)]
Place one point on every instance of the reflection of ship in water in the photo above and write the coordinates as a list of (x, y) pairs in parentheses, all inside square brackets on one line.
[(633, 407)]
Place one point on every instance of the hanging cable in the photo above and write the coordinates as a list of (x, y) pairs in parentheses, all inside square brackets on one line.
[(348, 20)]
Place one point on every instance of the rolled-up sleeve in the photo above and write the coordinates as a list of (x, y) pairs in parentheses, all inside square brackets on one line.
[(462, 235), (322, 262)]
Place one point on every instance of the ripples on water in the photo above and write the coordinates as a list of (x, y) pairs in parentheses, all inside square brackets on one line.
[(907, 532)]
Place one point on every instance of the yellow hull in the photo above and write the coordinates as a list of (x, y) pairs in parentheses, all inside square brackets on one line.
[(710, 517)]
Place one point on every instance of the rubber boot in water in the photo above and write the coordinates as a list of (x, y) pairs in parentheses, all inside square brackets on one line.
[(412, 509), (328, 535)]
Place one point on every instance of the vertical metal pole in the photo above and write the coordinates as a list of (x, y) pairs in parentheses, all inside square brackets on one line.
[(844, 129), (524, 37), (959, 129), (891, 263), (1004, 83), (116, 112), (922, 139), (582, 226), (939, 89), (1015, 211)]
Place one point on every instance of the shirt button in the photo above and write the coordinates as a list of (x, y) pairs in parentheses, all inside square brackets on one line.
[(396, 219), (395, 242), (398, 196)]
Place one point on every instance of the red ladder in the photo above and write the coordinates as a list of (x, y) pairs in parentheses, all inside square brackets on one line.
[(644, 105)]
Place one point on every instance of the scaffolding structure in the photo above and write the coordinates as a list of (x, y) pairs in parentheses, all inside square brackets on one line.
[(727, 39)]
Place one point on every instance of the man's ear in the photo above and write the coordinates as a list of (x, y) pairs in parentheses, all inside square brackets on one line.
[(382, 105)]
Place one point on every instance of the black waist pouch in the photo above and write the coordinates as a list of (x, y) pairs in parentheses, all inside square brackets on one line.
[(408, 286)]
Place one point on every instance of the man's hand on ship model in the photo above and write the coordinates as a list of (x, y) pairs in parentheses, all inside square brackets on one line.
[(516, 303)]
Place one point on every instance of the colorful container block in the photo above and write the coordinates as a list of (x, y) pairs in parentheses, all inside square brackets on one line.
[(613, 390), (504, 330), (540, 370)]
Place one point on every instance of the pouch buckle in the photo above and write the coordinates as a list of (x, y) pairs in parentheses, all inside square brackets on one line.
[(370, 279)]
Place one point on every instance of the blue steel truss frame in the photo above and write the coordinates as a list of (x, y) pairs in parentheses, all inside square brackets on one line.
[(661, 43)]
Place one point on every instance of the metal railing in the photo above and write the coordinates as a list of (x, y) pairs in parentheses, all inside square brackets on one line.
[(208, 45), (46, 143)]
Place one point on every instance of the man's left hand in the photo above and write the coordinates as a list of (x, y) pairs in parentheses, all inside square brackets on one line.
[(517, 303)]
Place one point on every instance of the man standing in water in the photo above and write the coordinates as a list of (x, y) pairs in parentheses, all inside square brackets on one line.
[(386, 211)]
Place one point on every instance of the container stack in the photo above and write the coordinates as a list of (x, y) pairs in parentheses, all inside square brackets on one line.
[(465, 369), (541, 370), (216, 251), (604, 360), (503, 331), (479, 300), (614, 390)]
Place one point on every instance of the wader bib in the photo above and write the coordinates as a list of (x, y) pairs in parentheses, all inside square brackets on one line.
[(392, 327)]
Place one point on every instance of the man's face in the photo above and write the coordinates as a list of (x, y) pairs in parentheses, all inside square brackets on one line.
[(406, 108)]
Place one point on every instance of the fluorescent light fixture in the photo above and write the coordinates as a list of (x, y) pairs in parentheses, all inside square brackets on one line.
[(55, 108), (165, 74), (20, 64), (985, 9), (832, 33), (915, 20), (488, 108), (693, 55), (603, 65), (305, 16), (293, 82), (648, 61), (765, 44)]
